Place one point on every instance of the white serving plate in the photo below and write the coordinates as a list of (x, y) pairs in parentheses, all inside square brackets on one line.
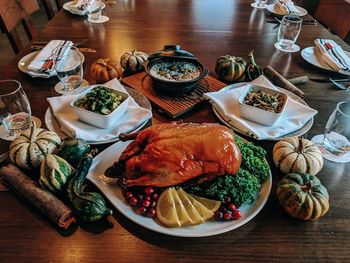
[(113, 193), (309, 55), (25, 61), (291, 95), (272, 8), (66, 6)]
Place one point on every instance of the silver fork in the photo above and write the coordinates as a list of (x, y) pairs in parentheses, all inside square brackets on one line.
[(341, 83)]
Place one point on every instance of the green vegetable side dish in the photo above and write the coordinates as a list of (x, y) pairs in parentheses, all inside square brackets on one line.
[(100, 100), (243, 186)]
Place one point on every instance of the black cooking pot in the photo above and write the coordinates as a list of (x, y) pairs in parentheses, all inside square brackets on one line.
[(173, 53)]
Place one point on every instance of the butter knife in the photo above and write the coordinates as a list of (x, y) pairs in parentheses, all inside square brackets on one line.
[(81, 49)]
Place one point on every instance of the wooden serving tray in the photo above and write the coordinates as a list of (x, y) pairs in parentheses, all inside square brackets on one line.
[(173, 106)]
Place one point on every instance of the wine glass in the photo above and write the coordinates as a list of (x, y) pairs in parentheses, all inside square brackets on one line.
[(69, 69), (337, 130), (288, 33)]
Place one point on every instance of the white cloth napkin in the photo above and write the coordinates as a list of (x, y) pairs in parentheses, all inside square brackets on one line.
[(286, 6), (295, 116), (331, 53), (45, 54), (70, 124)]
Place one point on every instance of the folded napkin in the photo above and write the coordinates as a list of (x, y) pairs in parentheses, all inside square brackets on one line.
[(286, 6), (35, 67), (70, 124), (80, 6), (295, 116), (331, 53)]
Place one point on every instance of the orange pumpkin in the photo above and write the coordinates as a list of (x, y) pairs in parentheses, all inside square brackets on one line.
[(105, 69)]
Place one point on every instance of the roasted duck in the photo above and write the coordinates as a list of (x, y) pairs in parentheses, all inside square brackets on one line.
[(170, 154)]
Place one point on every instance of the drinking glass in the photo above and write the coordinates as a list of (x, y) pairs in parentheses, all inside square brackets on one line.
[(94, 10), (69, 68), (260, 3), (288, 32), (15, 112), (337, 130)]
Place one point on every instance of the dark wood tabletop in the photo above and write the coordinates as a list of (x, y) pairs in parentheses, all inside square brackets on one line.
[(208, 29)]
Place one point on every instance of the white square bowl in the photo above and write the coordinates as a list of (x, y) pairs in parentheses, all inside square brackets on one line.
[(256, 114), (100, 120)]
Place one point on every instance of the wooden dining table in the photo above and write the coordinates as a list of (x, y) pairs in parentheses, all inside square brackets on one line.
[(208, 29)]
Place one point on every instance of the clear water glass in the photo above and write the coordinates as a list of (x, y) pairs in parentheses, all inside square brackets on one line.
[(337, 130), (69, 68), (15, 111), (260, 3), (94, 10), (288, 31)]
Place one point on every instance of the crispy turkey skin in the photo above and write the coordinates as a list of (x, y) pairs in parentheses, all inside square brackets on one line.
[(170, 154)]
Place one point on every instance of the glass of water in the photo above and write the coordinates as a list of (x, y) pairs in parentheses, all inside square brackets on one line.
[(69, 68), (94, 10), (15, 111), (288, 33), (337, 130)]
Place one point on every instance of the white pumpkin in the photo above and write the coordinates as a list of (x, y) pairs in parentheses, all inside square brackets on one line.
[(295, 154), (30, 148)]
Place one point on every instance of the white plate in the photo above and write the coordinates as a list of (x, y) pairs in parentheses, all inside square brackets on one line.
[(113, 193), (53, 125), (276, 11), (299, 132), (309, 55), (66, 6), (25, 61)]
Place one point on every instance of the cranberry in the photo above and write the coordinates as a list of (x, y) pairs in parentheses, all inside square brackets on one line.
[(231, 206), (133, 201), (155, 196), (148, 198), (151, 212), (237, 214), (149, 191), (146, 203), (227, 199), (223, 209), (141, 210), (218, 215), (128, 195), (227, 216), (153, 203)]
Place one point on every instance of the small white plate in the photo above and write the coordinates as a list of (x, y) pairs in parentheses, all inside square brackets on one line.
[(113, 193), (291, 95), (272, 8), (294, 48), (66, 6), (309, 55), (25, 61), (101, 20)]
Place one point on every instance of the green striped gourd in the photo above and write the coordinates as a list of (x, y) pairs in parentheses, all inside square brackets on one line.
[(133, 61), (30, 148), (303, 196), (72, 150), (252, 69), (89, 206), (54, 172), (230, 68)]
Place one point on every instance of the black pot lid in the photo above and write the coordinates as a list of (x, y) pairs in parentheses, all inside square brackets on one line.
[(172, 51)]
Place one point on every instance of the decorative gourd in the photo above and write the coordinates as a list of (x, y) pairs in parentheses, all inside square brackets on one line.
[(230, 68), (54, 172), (105, 69), (30, 148), (303, 196), (88, 206), (295, 154), (252, 69), (72, 150), (133, 61)]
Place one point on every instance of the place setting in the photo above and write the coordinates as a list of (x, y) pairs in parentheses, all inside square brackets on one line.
[(92, 9), (285, 7)]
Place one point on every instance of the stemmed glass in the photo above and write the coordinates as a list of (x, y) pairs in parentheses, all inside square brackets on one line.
[(288, 33), (94, 12)]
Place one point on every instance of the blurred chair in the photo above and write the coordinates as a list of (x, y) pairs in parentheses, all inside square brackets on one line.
[(52, 6), (310, 5), (11, 13)]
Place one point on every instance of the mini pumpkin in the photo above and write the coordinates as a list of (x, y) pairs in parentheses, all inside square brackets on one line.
[(230, 68), (133, 61), (296, 154), (303, 196), (30, 148), (105, 69)]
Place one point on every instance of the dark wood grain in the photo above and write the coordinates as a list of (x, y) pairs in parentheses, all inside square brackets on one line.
[(207, 29)]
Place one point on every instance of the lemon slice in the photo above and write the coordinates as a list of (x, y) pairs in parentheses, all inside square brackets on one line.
[(191, 210), (204, 212), (166, 209), (212, 205), (182, 214)]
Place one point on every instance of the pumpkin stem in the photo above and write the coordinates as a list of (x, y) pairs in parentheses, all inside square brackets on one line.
[(300, 145), (305, 188), (134, 52), (33, 132)]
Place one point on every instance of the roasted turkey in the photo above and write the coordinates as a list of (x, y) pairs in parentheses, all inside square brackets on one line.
[(170, 154)]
